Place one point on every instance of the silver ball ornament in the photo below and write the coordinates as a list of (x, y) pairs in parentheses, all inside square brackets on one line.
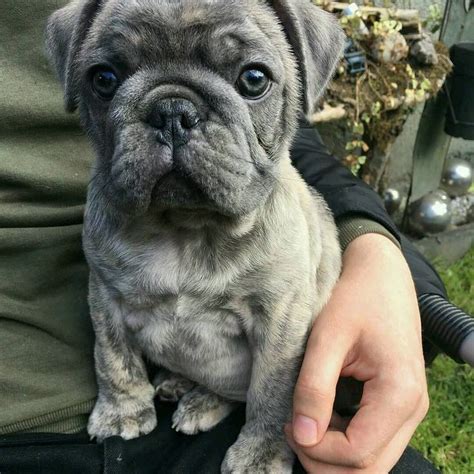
[(431, 214), (392, 200), (457, 177), (441, 194)]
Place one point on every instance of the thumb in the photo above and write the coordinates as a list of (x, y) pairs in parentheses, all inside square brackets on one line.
[(315, 389)]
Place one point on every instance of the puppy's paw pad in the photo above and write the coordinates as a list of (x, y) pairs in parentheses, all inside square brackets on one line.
[(172, 387), (200, 411)]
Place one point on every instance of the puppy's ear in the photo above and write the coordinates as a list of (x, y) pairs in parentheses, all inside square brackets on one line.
[(317, 41), (66, 31)]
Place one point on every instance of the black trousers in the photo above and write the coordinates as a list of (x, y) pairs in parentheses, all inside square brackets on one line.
[(162, 452)]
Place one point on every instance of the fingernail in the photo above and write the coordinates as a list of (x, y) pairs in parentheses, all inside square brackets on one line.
[(305, 430)]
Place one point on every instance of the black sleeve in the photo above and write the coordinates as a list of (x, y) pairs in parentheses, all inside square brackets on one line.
[(347, 195)]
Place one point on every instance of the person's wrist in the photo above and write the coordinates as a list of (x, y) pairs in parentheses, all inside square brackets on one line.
[(369, 246), (373, 258)]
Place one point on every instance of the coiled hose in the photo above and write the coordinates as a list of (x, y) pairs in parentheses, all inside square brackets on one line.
[(448, 327)]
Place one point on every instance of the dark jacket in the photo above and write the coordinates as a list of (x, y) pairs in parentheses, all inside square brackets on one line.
[(347, 195)]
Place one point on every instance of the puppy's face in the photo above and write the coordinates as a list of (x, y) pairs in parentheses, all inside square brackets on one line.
[(185, 101), (190, 104)]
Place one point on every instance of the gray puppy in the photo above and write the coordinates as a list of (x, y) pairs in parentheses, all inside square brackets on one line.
[(209, 255)]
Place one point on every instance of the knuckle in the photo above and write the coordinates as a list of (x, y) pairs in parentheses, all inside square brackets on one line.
[(307, 389), (415, 392), (411, 386), (424, 405), (364, 461), (403, 405), (410, 395)]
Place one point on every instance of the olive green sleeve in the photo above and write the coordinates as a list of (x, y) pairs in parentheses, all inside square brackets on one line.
[(351, 227)]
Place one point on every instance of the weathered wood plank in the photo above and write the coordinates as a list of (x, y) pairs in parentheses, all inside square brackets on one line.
[(432, 143)]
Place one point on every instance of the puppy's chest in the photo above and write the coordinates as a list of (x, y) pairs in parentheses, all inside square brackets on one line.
[(203, 342), (164, 266), (169, 319), (178, 307)]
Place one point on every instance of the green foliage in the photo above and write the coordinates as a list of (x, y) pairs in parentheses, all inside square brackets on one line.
[(434, 19), (418, 89), (353, 25), (446, 437), (357, 148), (459, 281), (385, 27)]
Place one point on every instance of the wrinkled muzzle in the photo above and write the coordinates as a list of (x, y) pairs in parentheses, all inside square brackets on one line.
[(184, 146)]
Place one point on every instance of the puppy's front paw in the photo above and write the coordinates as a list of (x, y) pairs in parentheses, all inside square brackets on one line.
[(129, 418), (254, 454), (200, 410)]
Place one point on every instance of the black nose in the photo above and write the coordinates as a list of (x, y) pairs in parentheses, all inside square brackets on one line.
[(174, 118)]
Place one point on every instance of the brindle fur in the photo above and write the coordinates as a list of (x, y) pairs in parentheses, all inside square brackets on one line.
[(213, 259)]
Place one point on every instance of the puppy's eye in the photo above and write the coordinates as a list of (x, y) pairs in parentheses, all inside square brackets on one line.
[(105, 83), (253, 83)]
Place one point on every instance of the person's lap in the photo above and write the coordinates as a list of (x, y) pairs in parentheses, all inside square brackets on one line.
[(162, 451)]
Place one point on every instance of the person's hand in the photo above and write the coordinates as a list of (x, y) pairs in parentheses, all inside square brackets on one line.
[(369, 330)]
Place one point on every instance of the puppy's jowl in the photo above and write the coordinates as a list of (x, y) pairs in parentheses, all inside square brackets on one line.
[(209, 255)]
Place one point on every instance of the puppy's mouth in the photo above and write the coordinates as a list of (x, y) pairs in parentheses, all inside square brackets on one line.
[(213, 171), (178, 199), (175, 189)]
